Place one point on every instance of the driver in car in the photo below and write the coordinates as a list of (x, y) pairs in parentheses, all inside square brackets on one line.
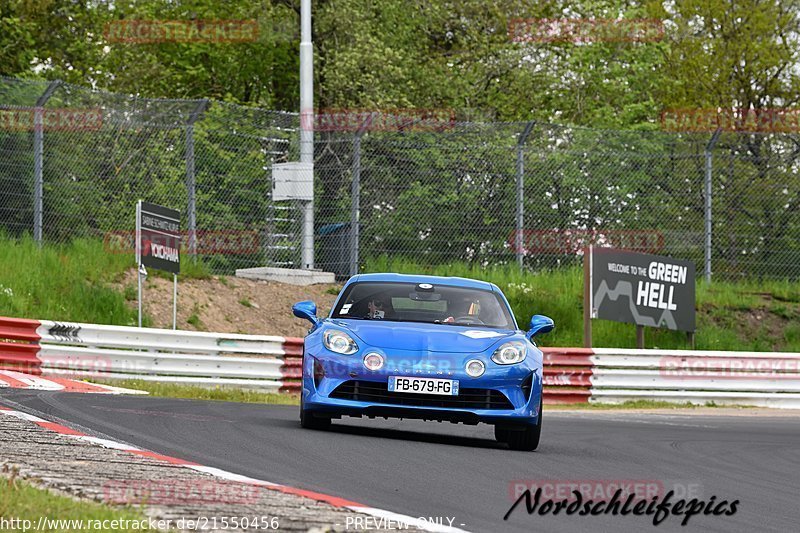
[(465, 309), (380, 307)]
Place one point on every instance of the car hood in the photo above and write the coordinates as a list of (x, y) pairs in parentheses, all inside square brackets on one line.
[(417, 336)]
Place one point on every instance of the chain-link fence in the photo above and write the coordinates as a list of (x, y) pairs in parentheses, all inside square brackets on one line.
[(73, 163)]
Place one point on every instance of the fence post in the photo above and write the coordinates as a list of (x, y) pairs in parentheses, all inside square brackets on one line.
[(355, 196), (708, 154), (520, 222), (191, 208), (38, 160)]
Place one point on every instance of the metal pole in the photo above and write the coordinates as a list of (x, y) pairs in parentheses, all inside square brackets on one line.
[(708, 193), (587, 297), (38, 179), (639, 337), (191, 183), (520, 223), (139, 266), (38, 160), (355, 197), (139, 275), (174, 301), (307, 127), (191, 191), (355, 205)]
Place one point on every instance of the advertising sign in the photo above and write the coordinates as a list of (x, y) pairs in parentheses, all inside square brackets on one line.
[(642, 289), (158, 237)]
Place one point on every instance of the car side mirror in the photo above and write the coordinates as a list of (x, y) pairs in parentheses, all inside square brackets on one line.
[(307, 310), (540, 324)]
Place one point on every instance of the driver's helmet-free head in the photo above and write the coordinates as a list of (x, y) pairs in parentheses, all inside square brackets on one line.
[(379, 306), (464, 307)]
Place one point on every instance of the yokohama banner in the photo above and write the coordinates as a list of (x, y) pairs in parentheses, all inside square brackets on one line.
[(158, 239)]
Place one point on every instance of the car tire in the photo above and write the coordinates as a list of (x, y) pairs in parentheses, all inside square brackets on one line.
[(526, 440), (309, 421), (501, 434)]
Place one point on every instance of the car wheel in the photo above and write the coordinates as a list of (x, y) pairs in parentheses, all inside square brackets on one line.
[(526, 440), (309, 421)]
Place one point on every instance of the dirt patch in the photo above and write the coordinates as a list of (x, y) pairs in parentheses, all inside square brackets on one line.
[(763, 320), (229, 304), (764, 323)]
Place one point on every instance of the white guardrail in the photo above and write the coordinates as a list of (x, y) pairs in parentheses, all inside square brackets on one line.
[(266, 362), (616, 375), (69, 349)]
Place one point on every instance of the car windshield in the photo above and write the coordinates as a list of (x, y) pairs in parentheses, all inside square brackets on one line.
[(424, 302)]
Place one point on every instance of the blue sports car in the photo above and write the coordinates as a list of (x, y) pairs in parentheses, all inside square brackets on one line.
[(425, 347)]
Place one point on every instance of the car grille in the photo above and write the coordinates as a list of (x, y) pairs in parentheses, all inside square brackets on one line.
[(371, 391)]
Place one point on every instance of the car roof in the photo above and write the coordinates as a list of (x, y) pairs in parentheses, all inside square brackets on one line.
[(433, 280)]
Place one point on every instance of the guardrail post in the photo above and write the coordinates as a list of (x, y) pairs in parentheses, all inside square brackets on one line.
[(708, 153), (520, 218), (355, 196), (38, 160), (191, 207)]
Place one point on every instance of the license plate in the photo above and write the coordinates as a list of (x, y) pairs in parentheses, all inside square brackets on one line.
[(444, 387)]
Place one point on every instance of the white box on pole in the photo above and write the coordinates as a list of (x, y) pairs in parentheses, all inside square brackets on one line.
[(293, 181)]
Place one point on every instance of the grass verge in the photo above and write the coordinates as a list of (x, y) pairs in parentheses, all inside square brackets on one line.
[(640, 404), (74, 282), (22, 501), (169, 390), (192, 392), (69, 282)]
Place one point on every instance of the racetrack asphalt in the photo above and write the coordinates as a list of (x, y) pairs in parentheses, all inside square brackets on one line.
[(429, 469)]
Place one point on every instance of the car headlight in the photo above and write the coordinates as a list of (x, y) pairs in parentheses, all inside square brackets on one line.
[(475, 368), (339, 342), (510, 353), (373, 361)]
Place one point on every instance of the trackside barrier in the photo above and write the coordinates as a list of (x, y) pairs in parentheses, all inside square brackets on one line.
[(265, 362), (764, 379), (21, 355), (567, 375)]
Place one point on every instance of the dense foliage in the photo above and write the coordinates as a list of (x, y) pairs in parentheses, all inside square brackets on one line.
[(442, 196), (441, 53)]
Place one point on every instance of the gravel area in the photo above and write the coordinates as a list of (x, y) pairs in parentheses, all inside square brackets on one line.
[(89, 471)]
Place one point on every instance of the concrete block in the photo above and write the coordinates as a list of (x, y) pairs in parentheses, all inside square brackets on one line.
[(293, 276)]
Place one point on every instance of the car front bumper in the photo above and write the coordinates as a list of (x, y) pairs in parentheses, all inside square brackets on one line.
[(320, 393)]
